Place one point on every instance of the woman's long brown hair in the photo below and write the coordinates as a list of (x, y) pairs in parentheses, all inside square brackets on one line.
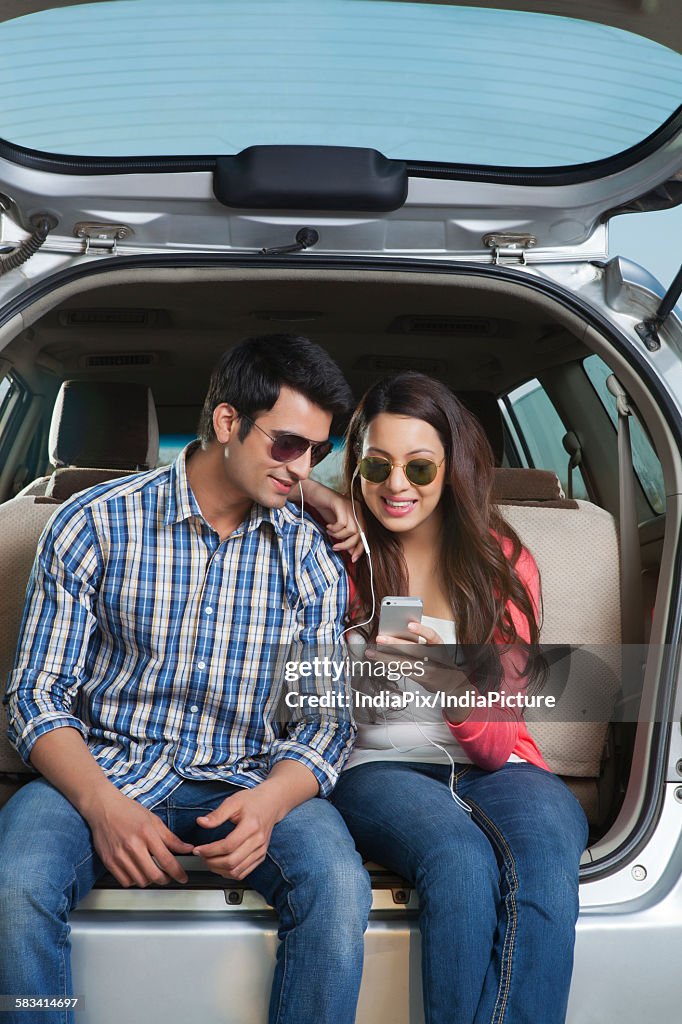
[(480, 580)]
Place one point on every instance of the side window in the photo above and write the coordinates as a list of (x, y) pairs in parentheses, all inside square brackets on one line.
[(330, 470), (13, 395), (644, 458), (9, 393), (170, 445), (537, 430)]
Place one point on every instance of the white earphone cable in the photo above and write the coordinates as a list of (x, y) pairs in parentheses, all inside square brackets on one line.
[(365, 545), (408, 750), (300, 487)]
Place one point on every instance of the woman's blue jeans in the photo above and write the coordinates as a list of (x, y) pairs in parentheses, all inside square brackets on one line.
[(498, 889), (312, 875)]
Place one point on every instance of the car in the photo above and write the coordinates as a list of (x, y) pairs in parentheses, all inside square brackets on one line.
[(415, 186)]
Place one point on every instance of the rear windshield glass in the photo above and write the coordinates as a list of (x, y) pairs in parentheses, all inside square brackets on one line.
[(417, 81)]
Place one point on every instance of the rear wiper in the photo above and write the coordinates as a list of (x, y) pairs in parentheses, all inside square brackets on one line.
[(305, 238)]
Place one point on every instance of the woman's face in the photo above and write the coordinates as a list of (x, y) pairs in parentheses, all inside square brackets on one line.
[(399, 505)]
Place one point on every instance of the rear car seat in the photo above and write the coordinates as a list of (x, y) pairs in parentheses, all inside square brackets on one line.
[(575, 545), (99, 431)]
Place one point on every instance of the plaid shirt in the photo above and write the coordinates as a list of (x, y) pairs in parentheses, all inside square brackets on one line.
[(161, 644)]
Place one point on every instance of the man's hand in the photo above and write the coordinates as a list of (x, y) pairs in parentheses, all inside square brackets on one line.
[(133, 843), (255, 813)]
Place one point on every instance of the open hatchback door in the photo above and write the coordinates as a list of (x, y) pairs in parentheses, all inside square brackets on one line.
[(510, 131)]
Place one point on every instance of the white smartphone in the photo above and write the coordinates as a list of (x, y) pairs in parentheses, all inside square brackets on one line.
[(396, 613)]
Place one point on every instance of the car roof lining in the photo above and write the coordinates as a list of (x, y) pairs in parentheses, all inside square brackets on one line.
[(209, 309), (516, 333)]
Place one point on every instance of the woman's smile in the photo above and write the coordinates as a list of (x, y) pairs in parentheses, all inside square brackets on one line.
[(398, 508)]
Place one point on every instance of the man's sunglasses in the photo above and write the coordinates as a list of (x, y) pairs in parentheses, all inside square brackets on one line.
[(419, 472), (289, 447)]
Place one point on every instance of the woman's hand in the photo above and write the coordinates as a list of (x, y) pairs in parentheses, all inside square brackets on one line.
[(420, 660), (337, 512)]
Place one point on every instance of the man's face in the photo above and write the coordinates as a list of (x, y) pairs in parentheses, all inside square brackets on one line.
[(249, 466)]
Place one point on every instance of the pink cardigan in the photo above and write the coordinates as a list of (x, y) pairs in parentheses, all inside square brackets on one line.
[(490, 735)]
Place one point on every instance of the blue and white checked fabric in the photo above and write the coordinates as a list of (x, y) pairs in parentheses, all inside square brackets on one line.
[(162, 645)]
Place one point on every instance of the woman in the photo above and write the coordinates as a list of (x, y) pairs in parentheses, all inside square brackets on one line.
[(458, 802)]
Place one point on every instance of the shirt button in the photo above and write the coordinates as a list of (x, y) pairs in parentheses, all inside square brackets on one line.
[(194, 709), (209, 610), (218, 559), (202, 665)]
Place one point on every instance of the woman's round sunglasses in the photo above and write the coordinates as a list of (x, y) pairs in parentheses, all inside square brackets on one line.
[(419, 472), (289, 447)]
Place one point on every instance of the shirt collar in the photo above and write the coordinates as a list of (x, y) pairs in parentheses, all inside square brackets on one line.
[(259, 514), (182, 504)]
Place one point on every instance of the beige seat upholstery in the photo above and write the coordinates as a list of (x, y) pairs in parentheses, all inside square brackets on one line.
[(577, 555), (575, 545), (108, 425)]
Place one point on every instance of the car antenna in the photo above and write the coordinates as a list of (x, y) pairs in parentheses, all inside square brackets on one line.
[(648, 329)]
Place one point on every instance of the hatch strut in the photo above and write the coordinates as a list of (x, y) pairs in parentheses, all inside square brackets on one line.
[(42, 224), (648, 329)]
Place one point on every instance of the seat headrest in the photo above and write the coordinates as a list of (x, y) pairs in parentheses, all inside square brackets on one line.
[(104, 424), (484, 406), (536, 486)]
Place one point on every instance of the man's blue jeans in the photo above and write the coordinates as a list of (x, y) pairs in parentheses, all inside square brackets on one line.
[(312, 875), (498, 889)]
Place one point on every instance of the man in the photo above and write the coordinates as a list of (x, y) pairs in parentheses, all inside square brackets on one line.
[(145, 692)]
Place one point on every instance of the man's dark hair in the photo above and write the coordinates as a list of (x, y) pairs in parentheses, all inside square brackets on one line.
[(250, 376)]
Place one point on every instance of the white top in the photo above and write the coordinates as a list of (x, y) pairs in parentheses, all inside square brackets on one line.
[(409, 733)]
